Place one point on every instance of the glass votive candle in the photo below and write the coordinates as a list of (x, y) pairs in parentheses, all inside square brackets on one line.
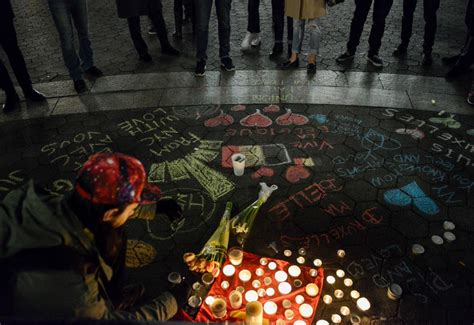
[(175, 278), (341, 253), (317, 262), (300, 260), (228, 270), (340, 273), (322, 322), (235, 299), (281, 276), (286, 303), (267, 281), (225, 285), (270, 292), (219, 307), (270, 308), (345, 311), (236, 255), (263, 261), (302, 251), (272, 266), (207, 279), (363, 304), (284, 288), (355, 294), (299, 299), (209, 300), (306, 311), (251, 295), (256, 284), (294, 271), (261, 292), (197, 286), (330, 279), (297, 283), (259, 271), (287, 253), (289, 314), (339, 294), (312, 290), (313, 273), (336, 318), (245, 275), (348, 282), (194, 301), (327, 299)]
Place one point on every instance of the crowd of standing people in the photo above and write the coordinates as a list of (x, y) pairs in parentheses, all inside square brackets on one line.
[(302, 16)]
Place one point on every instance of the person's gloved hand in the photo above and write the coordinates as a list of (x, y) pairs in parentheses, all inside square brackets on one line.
[(172, 209)]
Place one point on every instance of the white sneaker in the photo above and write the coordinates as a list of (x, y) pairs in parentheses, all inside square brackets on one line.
[(246, 41), (255, 39)]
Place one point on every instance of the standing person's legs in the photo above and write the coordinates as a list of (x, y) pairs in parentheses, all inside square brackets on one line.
[(278, 17), (60, 10), (409, 7), (156, 16), (136, 35), (178, 17), (203, 14), (314, 37), (357, 25), (381, 11), (5, 81), (81, 21), (223, 20), (298, 36), (430, 7), (290, 32), (253, 25)]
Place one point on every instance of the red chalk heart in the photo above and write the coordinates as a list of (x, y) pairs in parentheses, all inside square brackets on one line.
[(296, 173), (290, 118), (264, 171), (221, 119), (271, 109), (256, 119)]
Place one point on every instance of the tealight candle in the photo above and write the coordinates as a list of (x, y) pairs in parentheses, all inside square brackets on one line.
[(300, 260), (270, 308), (327, 299), (302, 251), (225, 285), (263, 261), (339, 294), (355, 294), (228, 270), (272, 266), (317, 262), (209, 300), (270, 292), (340, 273), (236, 255), (312, 290), (245, 275), (294, 271), (259, 272), (286, 303), (267, 281), (261, 292), (306, 311), (289, 314), (313, 273), (363, 304), (235, 298), (287, 253), (330, 279), (341, 253), (345, 310), (299, 299), (281, 276), (284, 288), (251, 295), (322, 322), (299, 322), (336, 318), (256, 284), (348, 282), (297, 283)]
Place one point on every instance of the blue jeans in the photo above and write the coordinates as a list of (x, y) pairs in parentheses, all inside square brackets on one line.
[(65, 13), (314, 35), (203, 14)]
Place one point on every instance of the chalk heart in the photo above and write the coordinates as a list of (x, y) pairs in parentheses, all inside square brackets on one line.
[(294, 174), (290, 118), (271, 109), (264, 171), (238, 108), (221, 119), (256, 119)]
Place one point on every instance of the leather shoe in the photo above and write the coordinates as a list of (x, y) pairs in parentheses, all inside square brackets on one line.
[(94, 72), (400, 51), (80, 86), (12, 102), (311, 68), (289, 65), (276, 51), (169, 50), (34, 95)]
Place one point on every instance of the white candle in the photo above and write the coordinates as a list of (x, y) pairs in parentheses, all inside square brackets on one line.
[(251, 295), (270, 292), (270, 308), (299, 299), (225, 285), (355, 294), (341, 253), (235, 298), (330, 279), (267, 281), (336, 318), (327, 299), (245, 275), (261, 292), (294, 271), (348, 282), (322, 322), (228, 270), (345, 311), (289, 314), (313, 273), (306, 311), (209, 300), (254, 313), (259, 272), (287, 253), (339, 294), (312, 290), (299, 322), (272, 266), (236, 256), (256, 284), (281, 276), (301, 260), (284, 288), (317, 262), (263, 261), (363, 304), (340, 273)]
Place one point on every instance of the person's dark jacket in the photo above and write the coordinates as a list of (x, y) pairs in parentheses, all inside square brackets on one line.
[(32, 220), (6, 11), (135, 8)]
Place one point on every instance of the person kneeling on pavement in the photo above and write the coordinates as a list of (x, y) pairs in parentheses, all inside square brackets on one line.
[(62, 256)]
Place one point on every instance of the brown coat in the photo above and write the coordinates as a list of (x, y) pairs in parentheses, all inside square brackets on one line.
[(305, 9)]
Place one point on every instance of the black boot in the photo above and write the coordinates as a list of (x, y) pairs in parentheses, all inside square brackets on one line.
[(169, 50), (276, 51), (427, 60), (33, 95), (12, 102)]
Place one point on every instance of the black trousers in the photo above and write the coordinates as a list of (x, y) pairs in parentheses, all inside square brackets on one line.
[(156, 18), (466, 57), (9, 42), (178, 13), (253, 25), (430, 7), (278, 16), (381, 11)]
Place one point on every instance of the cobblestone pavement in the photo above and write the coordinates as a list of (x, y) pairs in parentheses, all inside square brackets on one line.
[(115, 54), (371, 181)]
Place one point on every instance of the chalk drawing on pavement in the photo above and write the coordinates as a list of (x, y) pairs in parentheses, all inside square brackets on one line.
[(412, 194)]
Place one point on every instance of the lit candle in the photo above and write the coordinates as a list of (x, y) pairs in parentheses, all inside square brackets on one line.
[(355, 294), (339, 294), (270, 308), (272, 266), (322, 322), (313, 273), (259, 272), (267, 281), (340, 273), (297, 283), (261, 292), (294, 271), (228, 270), (348, 282), (286, 303), (289, 314), (225, 285), (330, 279), (327, 299), (254, 313), (284, 288), (300, 260), (251, 295), (345, 311), (235, 299), (263, 261), (317, 262), (236, 256), (299, 322), (363, 304), (299, 299), (209, 300), (270, 292), (312, 290), (240, 289), (280, 322), (245, 275), (281, 276), (306, 311), (287, 253), (336, 318), (341, 253), (302, 251), (256, 284)]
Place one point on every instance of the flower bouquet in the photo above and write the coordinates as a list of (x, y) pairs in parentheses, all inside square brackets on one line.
[(242, 223), (214, 252)]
